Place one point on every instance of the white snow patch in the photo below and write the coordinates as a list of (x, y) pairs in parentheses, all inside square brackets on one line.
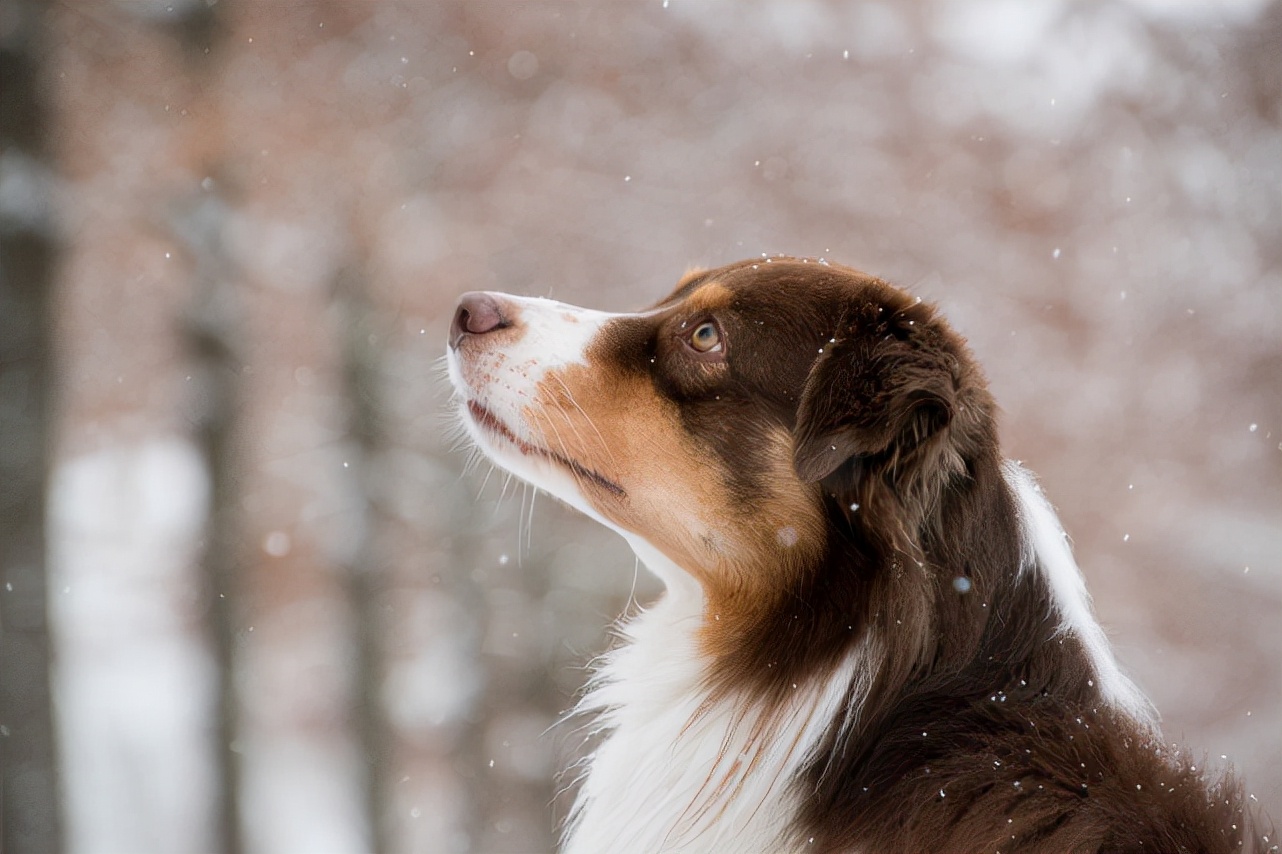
[(133, 681), (436, 684), (299, 798), (1202, 11), (997, 31)]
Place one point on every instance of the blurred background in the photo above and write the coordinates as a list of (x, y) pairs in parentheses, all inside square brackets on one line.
[(253, 602)]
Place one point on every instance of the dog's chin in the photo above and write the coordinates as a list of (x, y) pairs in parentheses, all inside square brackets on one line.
[(541, 468)]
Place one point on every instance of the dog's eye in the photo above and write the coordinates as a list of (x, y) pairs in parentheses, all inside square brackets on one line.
[(706, 337)]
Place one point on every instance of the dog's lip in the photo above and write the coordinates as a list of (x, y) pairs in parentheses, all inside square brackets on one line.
[(488, 420)]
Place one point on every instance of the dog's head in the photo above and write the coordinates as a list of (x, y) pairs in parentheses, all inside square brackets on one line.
[(738, 426)]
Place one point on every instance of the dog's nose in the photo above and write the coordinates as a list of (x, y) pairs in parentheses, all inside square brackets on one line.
[(477, 314)]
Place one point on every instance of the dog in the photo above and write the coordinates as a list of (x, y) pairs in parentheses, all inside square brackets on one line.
[(873, 635)]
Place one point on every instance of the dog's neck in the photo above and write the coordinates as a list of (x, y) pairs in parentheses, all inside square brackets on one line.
[(682, 767)]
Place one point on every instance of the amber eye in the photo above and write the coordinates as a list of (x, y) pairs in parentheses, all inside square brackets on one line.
[(706, 337)]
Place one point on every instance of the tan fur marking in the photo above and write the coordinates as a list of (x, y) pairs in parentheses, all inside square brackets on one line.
[(779, 530), (710, 297), (619, 426), (616, 424), (690, 275)]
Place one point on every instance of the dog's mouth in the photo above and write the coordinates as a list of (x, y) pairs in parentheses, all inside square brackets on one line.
[(490, 422)]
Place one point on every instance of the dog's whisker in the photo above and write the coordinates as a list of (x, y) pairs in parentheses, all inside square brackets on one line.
[(520, 525), (485, 481), (529, 522)]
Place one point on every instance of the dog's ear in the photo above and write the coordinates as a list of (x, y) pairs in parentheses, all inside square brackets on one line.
[(865, 400)]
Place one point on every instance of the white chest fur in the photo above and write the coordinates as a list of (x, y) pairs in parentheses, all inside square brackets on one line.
[(680, 772)]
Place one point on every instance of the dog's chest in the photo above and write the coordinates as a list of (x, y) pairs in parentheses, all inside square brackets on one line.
[(678, 772)]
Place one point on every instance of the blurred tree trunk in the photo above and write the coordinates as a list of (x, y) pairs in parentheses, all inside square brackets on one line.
[(365, 569), (211, 335), (29, 807), (213, 338)]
